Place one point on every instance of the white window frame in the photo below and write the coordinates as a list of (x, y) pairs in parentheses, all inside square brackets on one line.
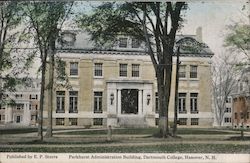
[(123, 42), (194, 103), (193, 71), (98, 70), (60, 97), (73, 102), (182, 100), (98, 102), (123, 70), (73, 69), (135, 70), (182, 71)]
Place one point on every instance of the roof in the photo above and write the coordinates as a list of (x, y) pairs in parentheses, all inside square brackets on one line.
[(82, 44)]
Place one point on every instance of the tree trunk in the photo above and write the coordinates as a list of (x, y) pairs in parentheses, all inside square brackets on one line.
[(164, 74), (40, 115), (176, 94), (50, 96), (49, 132)]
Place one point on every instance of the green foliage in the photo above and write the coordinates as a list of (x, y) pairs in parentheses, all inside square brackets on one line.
[(239, 37)]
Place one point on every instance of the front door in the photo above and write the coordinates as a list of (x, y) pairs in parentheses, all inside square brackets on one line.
[(129, 101)]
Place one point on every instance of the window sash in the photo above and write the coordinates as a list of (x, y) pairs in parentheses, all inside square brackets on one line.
[(97, 102), (135, 70), (156, 103), (182, 103), (60, 121), (123, 70), (194, 121), (194, 102), (193, 71), (60, 101), (182, 121), (73, 121), (123, 42), (73, 101), (98, 69), (73, 68), (182, 71)]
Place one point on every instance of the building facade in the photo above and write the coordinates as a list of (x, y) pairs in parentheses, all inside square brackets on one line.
[(118, 87), (241, 101), (22, 106)]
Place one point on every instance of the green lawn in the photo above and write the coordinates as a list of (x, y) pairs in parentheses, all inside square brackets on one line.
[(168, 148), (148, 131)]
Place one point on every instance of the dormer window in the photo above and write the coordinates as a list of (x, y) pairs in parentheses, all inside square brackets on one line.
[(135, 43), (68, 39), (123, 42)]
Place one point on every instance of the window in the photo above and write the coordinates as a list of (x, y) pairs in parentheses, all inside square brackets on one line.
[(19, 96), (156, 103), (182, 103), (182, 121), (227, 120), (73, 121), (98, 69), (73, 97), (123, 42), (60, 121), (18, 119), (33, 117), (135, 70), (193, 103), (60, 101), (235, 116), (73, 68), (98, 121), (135, 43), (247, 115), (194, 121), (228, 110), (33, 96), (123, 70), (241, 115), (19, 106), (182, 71), (36, 107), (156, 121), (97, 102), (193, 71), (228, 100), (2, 117)]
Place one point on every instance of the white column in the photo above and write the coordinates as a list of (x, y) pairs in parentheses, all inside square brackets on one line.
[(8, 114), (119, 102), (140, 111), (26, 114)]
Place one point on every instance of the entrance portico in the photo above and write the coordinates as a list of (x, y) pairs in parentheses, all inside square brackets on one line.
[(129, 103)]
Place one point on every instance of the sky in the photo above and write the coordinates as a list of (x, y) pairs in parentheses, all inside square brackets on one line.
[(213, 17)]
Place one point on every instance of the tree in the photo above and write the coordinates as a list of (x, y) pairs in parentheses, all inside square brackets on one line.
[(154, 23), (46, 20), (225, 73), (15, 59), (239, 38)]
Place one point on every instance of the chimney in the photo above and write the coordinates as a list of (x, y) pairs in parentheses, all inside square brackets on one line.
[(199, 34)]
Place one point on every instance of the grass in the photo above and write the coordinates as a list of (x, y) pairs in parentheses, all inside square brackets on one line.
[(17, 131), (167, 148), (147, 131)]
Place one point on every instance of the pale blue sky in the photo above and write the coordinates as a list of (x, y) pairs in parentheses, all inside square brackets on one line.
[(213, 17)]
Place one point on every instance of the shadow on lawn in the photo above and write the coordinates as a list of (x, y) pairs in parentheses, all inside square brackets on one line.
[(236, 138)]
